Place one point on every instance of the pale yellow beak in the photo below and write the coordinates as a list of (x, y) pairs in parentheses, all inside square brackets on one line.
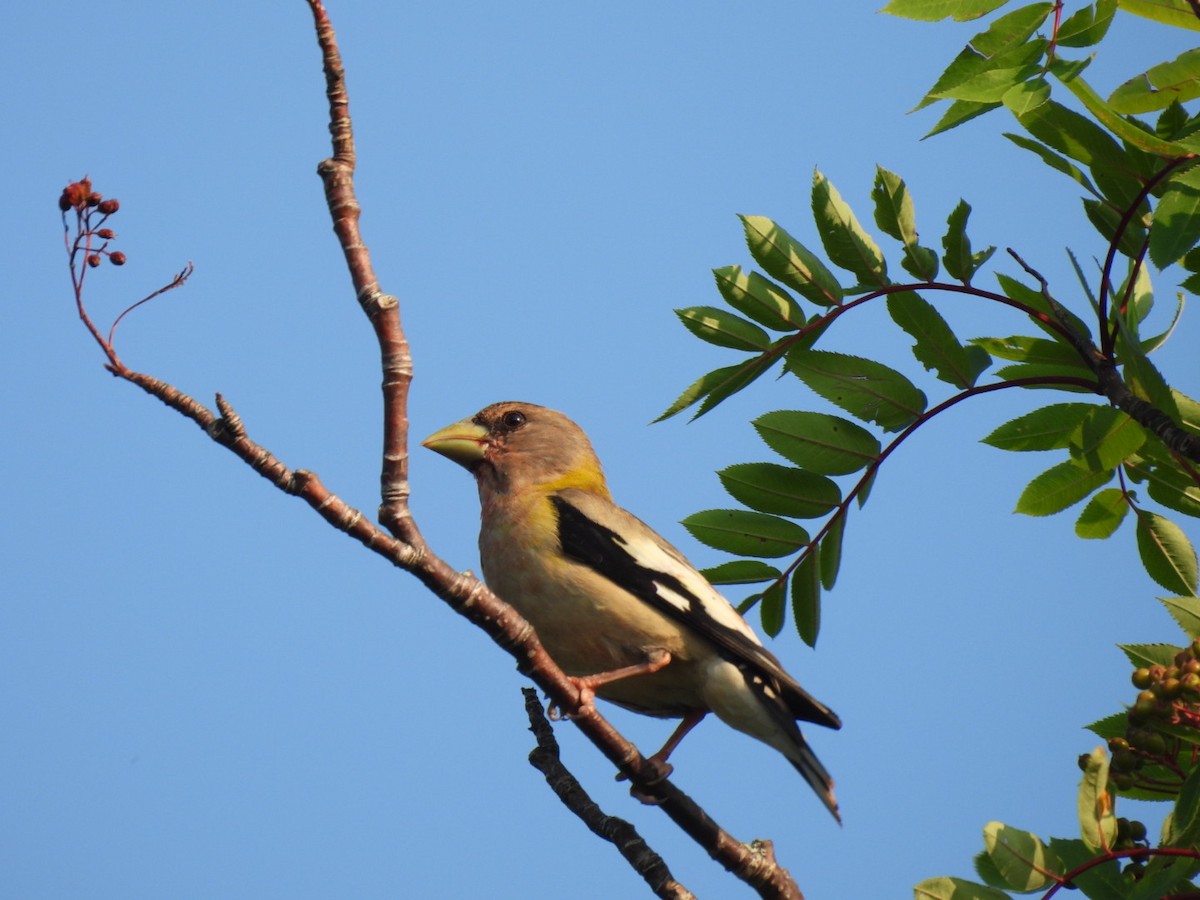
[(464, 442)]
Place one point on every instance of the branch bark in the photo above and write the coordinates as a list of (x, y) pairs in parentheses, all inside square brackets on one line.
[(402, 543)]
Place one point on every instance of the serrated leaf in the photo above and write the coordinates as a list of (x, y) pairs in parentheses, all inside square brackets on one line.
[(1146, 655), (960, 262), (1129, 235), (828, 445), (1101, 881), (741, 571), (1097, 823), (806, 599), (1087, 26), (1149, 345), (718, 385), (1048, 428), (771, 609), (1120, 126), (895, 216), (1022, 348), (1147, 382), (759, 298), (1058, 488), (1170, 12), (1185, 824), (1035, 299), (936, 10), (1054, 161), (936, 347), (716, 326), (947, 888), (1172, 488), (1177, 218), (958, 113), (787, 260), (1024, 95), (782, 490), (1159, 86), (1102, 515), (1106, 438), (831, 550), (1186, 613), (746, 533), (846, 241), (1020, 858), (864, 388), (1058, 378), (1166, 553), (1003, 45)]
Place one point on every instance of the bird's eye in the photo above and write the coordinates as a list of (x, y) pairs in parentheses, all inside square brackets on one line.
[(513, 420)]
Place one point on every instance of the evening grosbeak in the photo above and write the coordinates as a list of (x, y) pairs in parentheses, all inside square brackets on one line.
[(617, 607)]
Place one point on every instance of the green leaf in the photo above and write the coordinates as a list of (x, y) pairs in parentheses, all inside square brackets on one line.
[(1149, 655), (760, 299), (1158, 87), (1105, 438), (1166, 553), (806, 599), (1058, 488), (1097, 824), (1185, 823), (1147, 382), (1107, 221), (829, 445), (961, 264), (1186, 612), (946, 888), (895, 216), (1101, 881), (1087, 26), (957, 113), (718, 385), (772, 610), (1149, 345), (1021, 348), (787, 260), (783, 490), (1102, 515), (864, 388), (1170, 12), (741, 571), (936, 10), (1002, 46), (746, 533), (1054, 161), (936, 347), (1048, 428), (1172, 488), (1019, 857), (1177, 218), (1059, 374), (1036, 300), (846, 241), (1077, 137), (716, 326), (1026, 95), (1121, 127), (831, 550)]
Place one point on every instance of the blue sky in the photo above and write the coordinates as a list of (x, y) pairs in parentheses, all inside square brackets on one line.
[(205, 692)]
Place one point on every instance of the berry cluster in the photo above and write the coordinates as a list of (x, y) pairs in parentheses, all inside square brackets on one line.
[(1148, 756), (79, 196)]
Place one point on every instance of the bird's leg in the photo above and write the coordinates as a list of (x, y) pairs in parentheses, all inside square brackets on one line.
[(587, 684), (658, 762)]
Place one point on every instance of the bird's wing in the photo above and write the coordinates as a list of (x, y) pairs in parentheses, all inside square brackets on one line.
[(621, 547)]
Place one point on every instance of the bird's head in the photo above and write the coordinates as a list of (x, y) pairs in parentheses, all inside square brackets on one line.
[(512, 447)]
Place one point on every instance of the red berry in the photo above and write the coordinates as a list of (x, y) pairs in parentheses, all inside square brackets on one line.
[(106, 233), (108, 207), (94, 260), (93, 199), (117, 257)]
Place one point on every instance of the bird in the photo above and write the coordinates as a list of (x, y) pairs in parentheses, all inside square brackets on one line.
[(620, 610)]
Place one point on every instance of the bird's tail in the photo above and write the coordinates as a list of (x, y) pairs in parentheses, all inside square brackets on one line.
[(801, 756)]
